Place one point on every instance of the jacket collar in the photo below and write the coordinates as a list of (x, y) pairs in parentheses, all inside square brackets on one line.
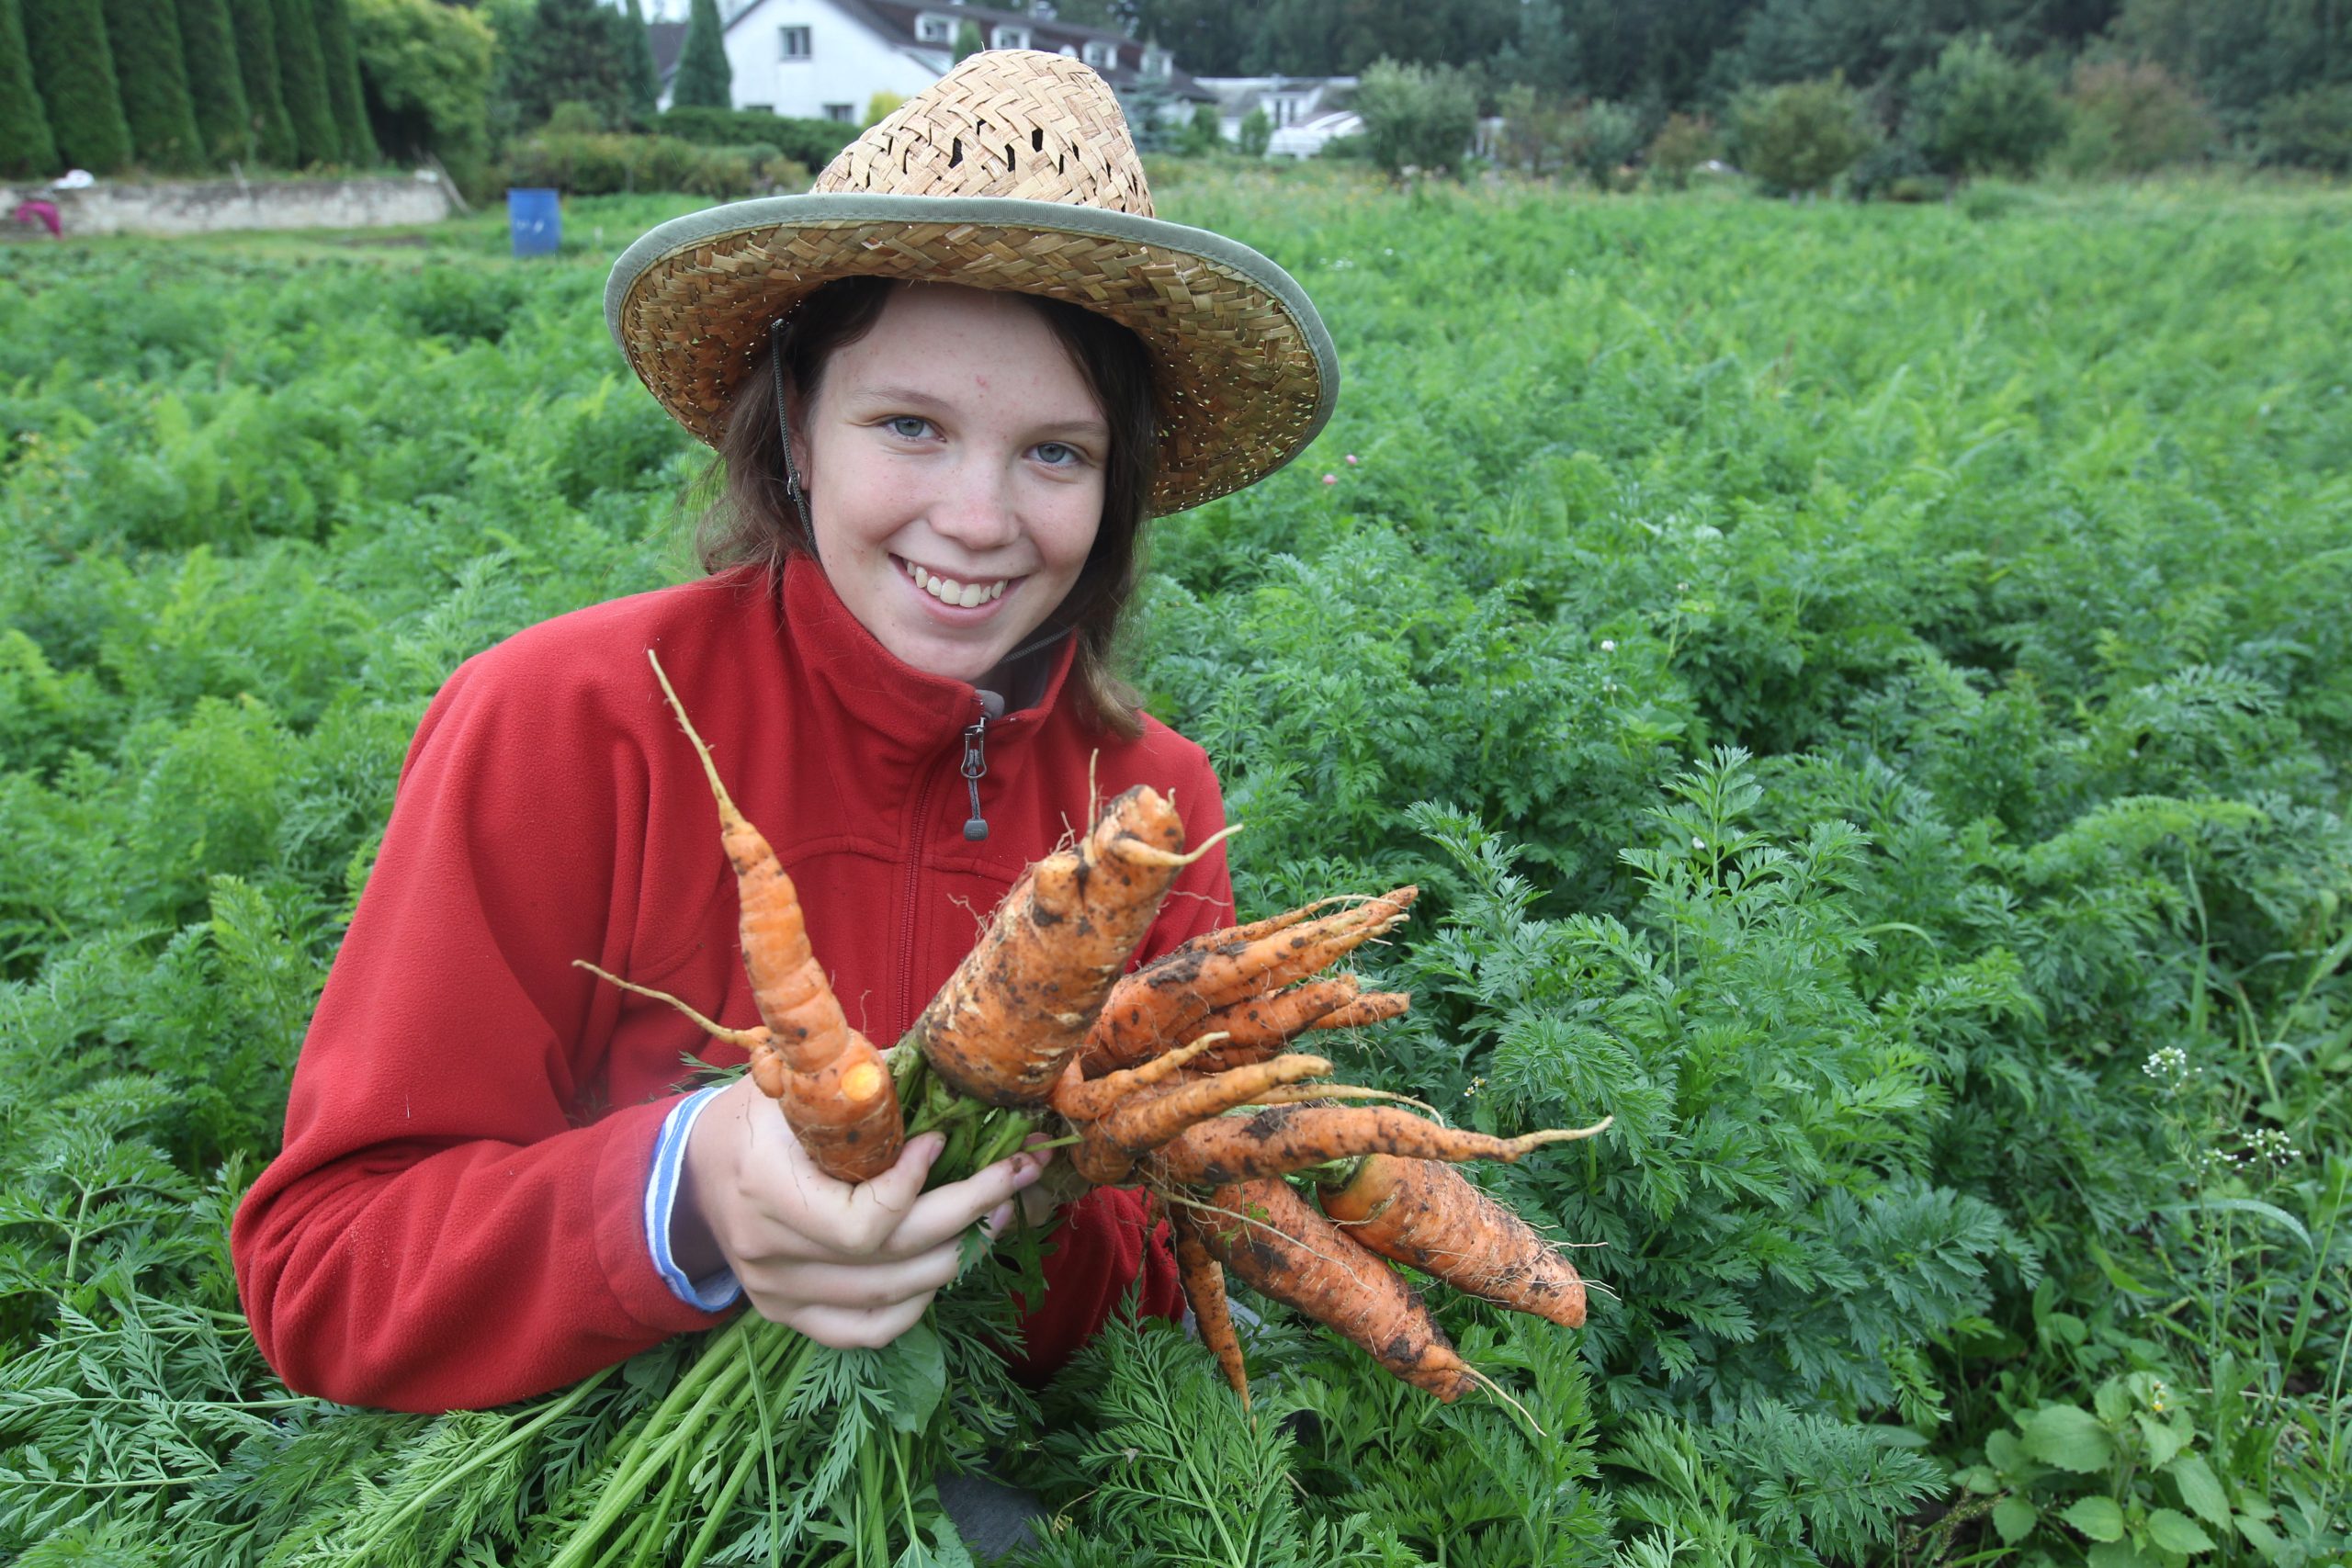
[(917, 711)]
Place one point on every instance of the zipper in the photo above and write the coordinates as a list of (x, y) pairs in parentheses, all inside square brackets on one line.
[(975, 767)]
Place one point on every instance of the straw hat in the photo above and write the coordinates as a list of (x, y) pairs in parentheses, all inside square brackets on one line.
[(1012, 171)]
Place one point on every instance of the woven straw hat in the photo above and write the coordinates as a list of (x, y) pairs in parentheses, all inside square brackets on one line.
[(1013, 170)]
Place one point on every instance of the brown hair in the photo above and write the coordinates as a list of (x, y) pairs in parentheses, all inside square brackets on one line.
[(750, 520)]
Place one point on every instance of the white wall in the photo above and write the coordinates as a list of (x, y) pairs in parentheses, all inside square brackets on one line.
[(847, 62), (208, 206)]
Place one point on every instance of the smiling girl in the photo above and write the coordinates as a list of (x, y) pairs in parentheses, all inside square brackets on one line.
[(946, 388)]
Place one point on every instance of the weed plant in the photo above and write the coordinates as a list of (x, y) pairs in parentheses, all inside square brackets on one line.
[(1868, 693)]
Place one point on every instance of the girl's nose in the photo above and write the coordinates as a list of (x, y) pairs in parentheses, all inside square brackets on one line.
[(976, 508)]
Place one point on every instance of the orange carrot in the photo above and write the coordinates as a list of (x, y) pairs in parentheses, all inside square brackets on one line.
[(1145, 1119), (1256, 1029), (1082, 1098), (846, 1113), (1297, 1137), (1020, 1005), (1253, 931), (1430, 1216), (1275, 1241), (1372, 1006), (1204, 1283), (1163, 1003)]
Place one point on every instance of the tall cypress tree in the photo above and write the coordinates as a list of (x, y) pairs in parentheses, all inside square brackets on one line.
[(704, 79), (74, 71), (222, 120), (636, 65), (146, 39), (256, 26), (341, 61), (302, 77), (25, 145)]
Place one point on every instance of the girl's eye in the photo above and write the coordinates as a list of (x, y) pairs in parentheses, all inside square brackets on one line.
[(907, 426), (1055, 454)]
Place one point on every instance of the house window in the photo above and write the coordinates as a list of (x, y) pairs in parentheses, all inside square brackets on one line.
[(1101, 55), (934, 29), (845, 113), (795, 42), (1010, 37)]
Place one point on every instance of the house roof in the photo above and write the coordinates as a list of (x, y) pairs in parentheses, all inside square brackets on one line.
[(896, 21)]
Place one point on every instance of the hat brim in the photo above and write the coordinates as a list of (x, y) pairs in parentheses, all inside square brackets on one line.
[(1245, 370)]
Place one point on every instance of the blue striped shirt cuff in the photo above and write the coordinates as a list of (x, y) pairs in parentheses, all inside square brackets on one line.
[(719, 1290)]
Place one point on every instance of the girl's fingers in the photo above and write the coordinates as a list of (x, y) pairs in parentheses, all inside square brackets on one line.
[(944, 1213), (865, 1287), (846, 1222), (851, 1329)]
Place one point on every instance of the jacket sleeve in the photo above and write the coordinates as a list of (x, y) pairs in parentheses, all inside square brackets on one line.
[(449, 1223), (1111, 1241)]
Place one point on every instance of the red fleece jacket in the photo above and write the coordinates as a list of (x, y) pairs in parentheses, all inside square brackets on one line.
[(456, 1218)]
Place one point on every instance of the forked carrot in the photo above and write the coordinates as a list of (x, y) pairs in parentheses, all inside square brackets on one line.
[(1298, 1137), (1275, 1241), (1204, 1283), (1257, 1028), (1255, 928), (1020, 1005), (1430, 1216), (1143, 1118), (1372, 1006)]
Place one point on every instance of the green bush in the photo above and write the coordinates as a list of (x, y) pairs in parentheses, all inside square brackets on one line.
[(1895, 170), (66, 40), (2131, 117), (1682, 143), (1417, 117), (254, 23), (815, 143), (25, 145), (145, 38), (1257, 133), (428, 70), (1539, 131), (224, 117), (1205, 132), (1975, 111), (1797, 138), (1608, 138), (339, 62), (2309, 129), (704, 79), (602, 164), (302, 75)]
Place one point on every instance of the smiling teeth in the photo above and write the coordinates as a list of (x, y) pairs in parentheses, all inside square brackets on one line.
[(947, 591)]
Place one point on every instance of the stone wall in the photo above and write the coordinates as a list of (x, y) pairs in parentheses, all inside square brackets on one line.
[(203, 207)]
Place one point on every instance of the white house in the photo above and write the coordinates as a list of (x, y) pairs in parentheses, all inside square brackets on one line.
[(827, 59), (1305, 111)]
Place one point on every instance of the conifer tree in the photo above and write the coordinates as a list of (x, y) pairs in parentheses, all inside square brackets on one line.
[(145, 36), (255, 22), (25, 145), (302, 77), (704, 79), (223, 122), (340, 63), (73, 70), (636, 65)]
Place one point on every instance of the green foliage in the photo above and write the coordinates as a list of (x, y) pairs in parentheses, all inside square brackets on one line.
[(1257, 133), (223, 118), (643, 82), (1608, 140), (591, 164), (566, 51), (2310, 129), (1796, 140), (428, 70), (272, 129), (1204, 133), (145, 38), (2131, 117), (1981, 1058), (1976, 111), (704, 78), (25, 145), (968, 41), (302, 78), (1415, 117), (66, 40), (815, 143), (339, 62), (1681, 145)]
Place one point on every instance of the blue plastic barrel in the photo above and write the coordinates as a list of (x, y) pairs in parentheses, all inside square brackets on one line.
[(535, 221)]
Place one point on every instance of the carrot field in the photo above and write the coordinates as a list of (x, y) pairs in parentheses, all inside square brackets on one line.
[(1866, 691)]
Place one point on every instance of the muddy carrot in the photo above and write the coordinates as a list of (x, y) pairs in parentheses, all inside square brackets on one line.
[(1428, 1215), (1298, 1137), (1204, 1282)]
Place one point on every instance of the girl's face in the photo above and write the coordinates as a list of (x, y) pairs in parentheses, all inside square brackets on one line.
[(954, 458)]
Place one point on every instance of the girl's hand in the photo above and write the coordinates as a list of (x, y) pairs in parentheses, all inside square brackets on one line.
[(848, 1266)]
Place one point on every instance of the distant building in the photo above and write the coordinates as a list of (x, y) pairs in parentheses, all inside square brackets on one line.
[(1305, 111), (827, 59)]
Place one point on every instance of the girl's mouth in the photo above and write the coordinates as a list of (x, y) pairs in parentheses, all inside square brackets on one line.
[(951, 593)]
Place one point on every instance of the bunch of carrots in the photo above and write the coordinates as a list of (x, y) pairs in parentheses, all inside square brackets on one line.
[(1179, 1077)]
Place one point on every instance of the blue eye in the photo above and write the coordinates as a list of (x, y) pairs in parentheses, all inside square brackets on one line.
[(1057, 454), (897, 425)]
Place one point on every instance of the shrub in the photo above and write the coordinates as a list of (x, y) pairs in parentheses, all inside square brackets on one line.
[(1257, 133), (812, 141), (1681, 145), (429, 68), (1538, 130), (602, 164), (302, 73), (2311, 130), (145, 38), (704, 79), (67, 42), (1975, 111), (1798, 138), (254, 24), (340, 63), (223, 119), (25, 146), (1205, 134), (1416, 116), (2131, 117), (1895, 170), (1608, 138), (882, 106)]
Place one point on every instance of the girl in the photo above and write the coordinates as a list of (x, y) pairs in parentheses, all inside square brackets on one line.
[(946, 388)]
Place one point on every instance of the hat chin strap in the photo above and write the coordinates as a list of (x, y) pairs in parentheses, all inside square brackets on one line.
[(779, 338)]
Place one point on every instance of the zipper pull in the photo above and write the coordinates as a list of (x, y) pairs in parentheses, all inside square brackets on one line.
[(976, 764)]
